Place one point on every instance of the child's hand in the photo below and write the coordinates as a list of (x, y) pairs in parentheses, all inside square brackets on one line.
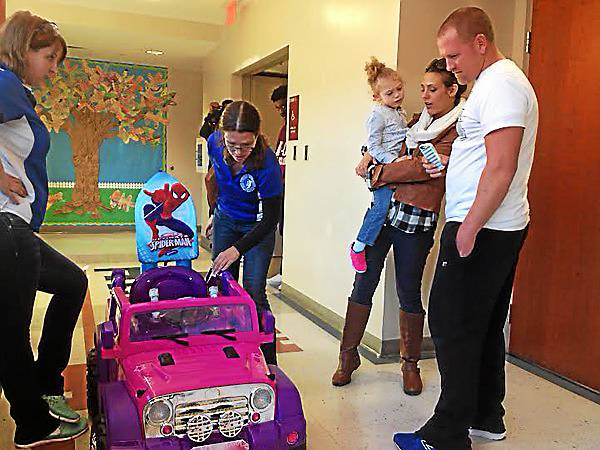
[(363, 165)]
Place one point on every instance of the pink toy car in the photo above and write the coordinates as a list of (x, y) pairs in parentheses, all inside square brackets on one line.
[(175, 369)]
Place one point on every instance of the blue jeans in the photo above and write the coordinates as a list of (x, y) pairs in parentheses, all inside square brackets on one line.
[(226, 232), (375, 216), (410, 255)]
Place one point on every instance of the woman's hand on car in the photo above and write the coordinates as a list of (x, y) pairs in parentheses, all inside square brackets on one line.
[(225, 259)]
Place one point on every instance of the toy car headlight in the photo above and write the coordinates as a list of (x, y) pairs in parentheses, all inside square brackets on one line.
[(159, 412), (262, 398)]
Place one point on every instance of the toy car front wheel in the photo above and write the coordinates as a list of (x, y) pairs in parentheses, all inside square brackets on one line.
[(91, 378), (98, 435)]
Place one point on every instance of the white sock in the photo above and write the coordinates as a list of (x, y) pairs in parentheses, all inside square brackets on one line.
[(358, 246)]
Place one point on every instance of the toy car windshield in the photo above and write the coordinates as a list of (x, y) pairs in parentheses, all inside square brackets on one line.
[(222, 319)]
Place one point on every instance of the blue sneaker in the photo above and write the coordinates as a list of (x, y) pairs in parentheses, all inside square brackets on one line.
[(410, 441)]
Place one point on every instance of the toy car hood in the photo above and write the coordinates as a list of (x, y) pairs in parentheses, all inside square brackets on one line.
[(195, 368)]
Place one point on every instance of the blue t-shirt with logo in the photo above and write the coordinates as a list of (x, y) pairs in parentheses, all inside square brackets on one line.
[(240, 195), (24, 144)]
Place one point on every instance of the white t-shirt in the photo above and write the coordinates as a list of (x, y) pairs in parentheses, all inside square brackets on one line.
[(501, 97)]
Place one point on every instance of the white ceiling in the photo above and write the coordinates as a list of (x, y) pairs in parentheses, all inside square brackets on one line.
[(122, 30), (203, 11)]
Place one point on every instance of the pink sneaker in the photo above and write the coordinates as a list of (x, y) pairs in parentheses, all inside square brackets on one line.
[(359, 260)]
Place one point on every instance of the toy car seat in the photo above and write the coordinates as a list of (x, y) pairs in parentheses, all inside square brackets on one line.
[(172, 282)]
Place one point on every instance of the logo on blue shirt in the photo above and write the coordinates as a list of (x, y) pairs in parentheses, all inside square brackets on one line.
[(247, 183)]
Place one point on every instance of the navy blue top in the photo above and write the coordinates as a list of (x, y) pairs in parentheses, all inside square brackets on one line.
[(24, 144), (240, 195)]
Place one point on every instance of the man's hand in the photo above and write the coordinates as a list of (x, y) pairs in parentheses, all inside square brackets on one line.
[(433, 170), (465, 240), (208, 231), (225, 259), (363, 165), (12, 187)]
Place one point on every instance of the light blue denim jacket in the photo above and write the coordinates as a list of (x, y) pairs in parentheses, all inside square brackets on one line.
[(386, 128)]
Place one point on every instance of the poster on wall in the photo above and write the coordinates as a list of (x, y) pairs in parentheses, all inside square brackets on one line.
[(293, 120), (108, 137)]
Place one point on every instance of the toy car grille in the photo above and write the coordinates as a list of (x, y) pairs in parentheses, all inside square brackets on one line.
[(228, 415), (230, 424), (199, 428)]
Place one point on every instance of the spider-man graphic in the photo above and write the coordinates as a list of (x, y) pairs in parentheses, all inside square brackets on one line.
[(165, 201)]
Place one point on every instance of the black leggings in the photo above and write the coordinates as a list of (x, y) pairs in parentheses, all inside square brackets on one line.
[(410, 255), (28, 264)]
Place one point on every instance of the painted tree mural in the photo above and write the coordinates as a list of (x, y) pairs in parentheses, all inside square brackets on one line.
[(91, 105)]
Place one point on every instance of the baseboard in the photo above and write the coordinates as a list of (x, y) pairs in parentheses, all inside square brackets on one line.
[(555, 378), (83, 228), (376, 350)]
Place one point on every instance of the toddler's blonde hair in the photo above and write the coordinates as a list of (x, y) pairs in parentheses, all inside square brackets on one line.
[(376, 70)]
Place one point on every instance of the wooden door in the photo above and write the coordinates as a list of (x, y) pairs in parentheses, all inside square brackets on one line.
[(555, 320)]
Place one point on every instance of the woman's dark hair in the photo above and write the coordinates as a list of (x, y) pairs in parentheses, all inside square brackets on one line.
[(243, 117), (438, 65)]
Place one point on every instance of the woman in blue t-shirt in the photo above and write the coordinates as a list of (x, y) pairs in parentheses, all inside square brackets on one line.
[(247, 210), (30, 50)]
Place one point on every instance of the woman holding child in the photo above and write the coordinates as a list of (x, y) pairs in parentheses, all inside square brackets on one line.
[(409, 224)]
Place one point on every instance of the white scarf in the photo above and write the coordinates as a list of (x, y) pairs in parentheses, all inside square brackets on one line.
[(427, 129)]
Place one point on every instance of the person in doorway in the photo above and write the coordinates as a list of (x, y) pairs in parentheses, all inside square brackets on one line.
[(386, 129), (409, 228), (31, 49), (279, 97), (247, 203), (487, 217)]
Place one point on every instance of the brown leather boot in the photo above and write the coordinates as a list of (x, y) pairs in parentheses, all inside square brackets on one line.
[(411, 332), (357, 316)]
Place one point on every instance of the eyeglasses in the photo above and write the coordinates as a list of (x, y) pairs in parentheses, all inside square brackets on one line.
[(244, 148)]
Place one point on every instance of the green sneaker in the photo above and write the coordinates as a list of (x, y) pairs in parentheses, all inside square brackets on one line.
[(64, 432), (59, 408)]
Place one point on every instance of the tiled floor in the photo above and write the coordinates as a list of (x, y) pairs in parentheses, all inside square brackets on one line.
[(362, 415)]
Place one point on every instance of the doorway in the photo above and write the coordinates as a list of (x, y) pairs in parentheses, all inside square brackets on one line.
[(258, 84)]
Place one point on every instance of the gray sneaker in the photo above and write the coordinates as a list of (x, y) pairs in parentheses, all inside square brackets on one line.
[(64, 432), (59, 408)]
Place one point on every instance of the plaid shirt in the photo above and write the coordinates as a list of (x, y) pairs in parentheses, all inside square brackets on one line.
[(411, 219)]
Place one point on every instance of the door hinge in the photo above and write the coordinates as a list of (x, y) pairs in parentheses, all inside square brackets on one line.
[(528, 42)]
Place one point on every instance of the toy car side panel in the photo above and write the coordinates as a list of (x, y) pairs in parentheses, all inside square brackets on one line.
[(289, 415), (121, 416)]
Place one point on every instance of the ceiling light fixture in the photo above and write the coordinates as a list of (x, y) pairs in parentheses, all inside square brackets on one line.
[(155, 52)]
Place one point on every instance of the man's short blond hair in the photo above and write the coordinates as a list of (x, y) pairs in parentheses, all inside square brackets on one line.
[(468, 23)]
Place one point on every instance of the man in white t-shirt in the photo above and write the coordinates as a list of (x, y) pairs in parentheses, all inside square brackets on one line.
[(487, 217)]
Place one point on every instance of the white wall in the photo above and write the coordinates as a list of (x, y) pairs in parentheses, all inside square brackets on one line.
[(329, 42), (184, 122)]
